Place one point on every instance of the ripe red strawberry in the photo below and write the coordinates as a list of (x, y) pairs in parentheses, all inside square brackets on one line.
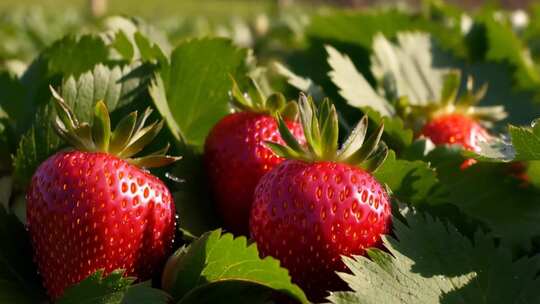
[(319, 205), (457, 121), (90, 210), (456, 129), (236, 156)]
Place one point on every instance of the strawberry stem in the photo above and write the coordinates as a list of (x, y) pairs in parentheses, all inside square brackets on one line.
[(255, 100), (321, 130), (128, 139)]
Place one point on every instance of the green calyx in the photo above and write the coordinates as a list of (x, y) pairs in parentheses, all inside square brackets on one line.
[(321, 131), (254, 100), (128, 138), (454, 103)]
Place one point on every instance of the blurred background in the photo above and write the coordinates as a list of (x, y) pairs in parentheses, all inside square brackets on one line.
[(294, 32), (27, 26)]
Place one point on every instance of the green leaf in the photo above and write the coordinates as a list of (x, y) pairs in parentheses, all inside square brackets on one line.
[(113, 85), (69, 56), (143, 293), (489, 194), (410, 181), (36, 145), (123, 45), (112, 289), (342, 26), (305, 85), (74, 55), (501, 91), (354, 88), (195, 94), (148, 50), (431, 262), (505, 46), (221, 259), (406, 68), (19, 281), (230, 291), (524, 145), (116, 86), (158, 94), (97, 288)]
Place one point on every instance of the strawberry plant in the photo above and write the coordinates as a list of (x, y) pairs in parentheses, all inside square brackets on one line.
[(408, 170)]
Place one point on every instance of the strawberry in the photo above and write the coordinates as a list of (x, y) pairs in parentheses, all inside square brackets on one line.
[(94, 208), (456, 120), (319, 204), (236, 156), (455, 129)]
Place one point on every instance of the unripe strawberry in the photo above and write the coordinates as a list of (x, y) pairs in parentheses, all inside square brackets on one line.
[(93, 208), (235, 154), (321, 204)]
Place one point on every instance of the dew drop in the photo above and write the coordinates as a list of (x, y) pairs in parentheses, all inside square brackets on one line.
[(174, 178)]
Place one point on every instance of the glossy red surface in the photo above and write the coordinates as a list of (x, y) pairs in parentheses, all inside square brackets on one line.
[(90, 211), (455, 129), (309, 214)]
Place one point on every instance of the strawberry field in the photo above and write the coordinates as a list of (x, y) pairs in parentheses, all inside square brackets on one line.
[(269, 152)]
